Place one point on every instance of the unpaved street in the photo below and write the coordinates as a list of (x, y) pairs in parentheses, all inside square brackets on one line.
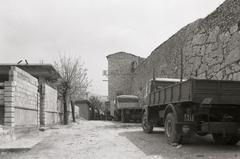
[(112, 140)]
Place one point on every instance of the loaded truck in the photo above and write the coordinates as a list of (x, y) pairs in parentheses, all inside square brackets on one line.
[(194, 106), (126, 108)]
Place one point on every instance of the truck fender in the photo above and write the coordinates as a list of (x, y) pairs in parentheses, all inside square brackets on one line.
[(170, 108)]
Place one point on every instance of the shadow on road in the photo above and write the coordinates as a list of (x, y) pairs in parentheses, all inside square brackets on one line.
[(156, 144), (118, 125)]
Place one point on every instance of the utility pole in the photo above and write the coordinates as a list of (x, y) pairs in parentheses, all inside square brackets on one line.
[(181, 75)]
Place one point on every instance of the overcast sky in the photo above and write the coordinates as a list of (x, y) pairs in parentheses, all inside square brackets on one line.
[(39, 29)]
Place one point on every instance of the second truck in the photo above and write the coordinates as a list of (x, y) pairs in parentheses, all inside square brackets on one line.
[(126, 108)]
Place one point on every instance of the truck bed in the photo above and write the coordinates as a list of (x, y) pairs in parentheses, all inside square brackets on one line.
[(220, 92), (129, 105)]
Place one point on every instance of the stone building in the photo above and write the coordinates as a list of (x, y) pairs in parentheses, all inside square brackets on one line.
[(210, 48), (121, 67)]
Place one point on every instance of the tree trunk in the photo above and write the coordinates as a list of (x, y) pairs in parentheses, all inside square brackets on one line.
[(73, 111), (65, 115)]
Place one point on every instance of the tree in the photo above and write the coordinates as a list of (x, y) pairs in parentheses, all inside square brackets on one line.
[(74, 82), (96, 102), (97, 105)]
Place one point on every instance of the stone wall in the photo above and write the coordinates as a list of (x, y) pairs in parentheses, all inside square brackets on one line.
[(49, 108), (210, 49), (21, 99)]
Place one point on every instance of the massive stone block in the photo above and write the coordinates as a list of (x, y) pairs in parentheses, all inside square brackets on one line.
[(210, 48)]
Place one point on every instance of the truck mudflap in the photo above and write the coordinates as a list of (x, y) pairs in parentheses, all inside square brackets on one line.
[(187, 128)]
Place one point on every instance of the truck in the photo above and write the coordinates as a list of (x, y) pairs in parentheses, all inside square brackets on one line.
[(194, 106), (126, 108)]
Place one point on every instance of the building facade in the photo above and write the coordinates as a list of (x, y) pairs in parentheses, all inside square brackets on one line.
[(121, 67)]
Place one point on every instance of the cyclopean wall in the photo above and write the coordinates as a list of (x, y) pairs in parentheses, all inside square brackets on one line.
[(210, 48)]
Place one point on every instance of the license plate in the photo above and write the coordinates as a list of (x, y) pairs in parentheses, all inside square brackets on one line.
[(188, 117)]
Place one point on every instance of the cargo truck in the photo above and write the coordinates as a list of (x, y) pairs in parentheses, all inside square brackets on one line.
[(126, 108), (194, 106)]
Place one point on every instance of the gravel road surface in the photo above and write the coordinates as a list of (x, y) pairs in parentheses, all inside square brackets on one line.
[(113, 140)]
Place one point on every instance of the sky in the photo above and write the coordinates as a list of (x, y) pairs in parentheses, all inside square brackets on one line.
[(40, 30)]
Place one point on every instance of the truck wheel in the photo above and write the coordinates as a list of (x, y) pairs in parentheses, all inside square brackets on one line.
[(228, 139), (123, 116), (170, 129), (145, 125)]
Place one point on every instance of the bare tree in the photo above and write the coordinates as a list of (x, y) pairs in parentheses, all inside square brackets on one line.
[(74, 82), (96, 102), (97, 106)]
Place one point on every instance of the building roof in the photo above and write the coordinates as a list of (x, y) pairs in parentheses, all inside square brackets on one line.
[(168, 79), (46, 71), (121, 52)]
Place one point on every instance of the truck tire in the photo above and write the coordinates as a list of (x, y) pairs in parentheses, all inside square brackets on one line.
[(170, 129), (229, 139), (145, 124)]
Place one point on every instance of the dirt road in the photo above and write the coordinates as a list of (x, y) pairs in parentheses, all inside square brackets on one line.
[(112, 140)]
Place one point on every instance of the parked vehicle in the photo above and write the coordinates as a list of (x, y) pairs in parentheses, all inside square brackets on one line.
[(126, 108), (193, 106)]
